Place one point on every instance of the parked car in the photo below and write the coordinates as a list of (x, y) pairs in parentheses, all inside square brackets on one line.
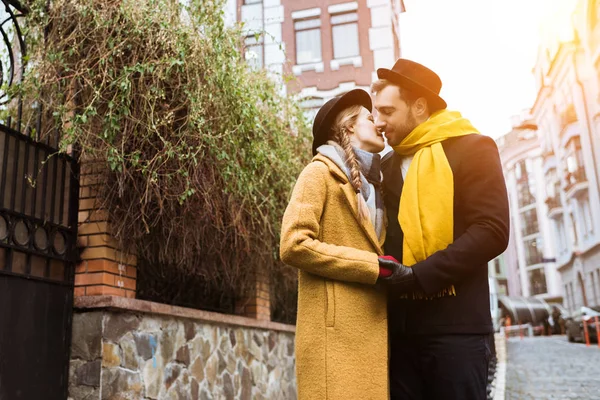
[(574, 324)]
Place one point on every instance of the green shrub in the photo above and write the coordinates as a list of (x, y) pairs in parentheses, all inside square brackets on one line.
[(200, 152)]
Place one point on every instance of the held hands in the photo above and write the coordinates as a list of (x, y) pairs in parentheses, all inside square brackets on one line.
[(392, 272)]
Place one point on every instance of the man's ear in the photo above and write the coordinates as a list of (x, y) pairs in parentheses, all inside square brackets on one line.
[(421, 107)]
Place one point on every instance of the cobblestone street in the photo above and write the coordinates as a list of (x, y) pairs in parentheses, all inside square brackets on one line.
[(552, 368)]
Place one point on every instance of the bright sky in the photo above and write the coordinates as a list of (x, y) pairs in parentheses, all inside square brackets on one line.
[(484, 51)]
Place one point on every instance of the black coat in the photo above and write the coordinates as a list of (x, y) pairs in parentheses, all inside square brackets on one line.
[(481, 230)]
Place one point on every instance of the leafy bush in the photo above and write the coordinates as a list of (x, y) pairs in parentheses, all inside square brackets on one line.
[(199, 151)]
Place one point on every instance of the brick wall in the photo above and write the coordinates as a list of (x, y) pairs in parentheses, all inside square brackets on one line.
[(257, 304), (104, 269)]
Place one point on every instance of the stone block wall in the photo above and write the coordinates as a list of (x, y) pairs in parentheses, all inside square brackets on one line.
[(122, 351)]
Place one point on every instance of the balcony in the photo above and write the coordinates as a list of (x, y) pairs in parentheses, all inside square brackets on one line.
[(575, 181), (567, 117), (553, 202), (548, 153)]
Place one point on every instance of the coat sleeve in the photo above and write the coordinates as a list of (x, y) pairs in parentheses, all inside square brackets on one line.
[(300, 246), (484, 204)]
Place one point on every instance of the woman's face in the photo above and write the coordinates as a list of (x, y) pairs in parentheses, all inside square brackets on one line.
[(364, 133)]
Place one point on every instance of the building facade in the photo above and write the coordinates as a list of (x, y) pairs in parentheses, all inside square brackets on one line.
[(328, 46), (568, 115), (497, 272), (529, 259), (552, 165)]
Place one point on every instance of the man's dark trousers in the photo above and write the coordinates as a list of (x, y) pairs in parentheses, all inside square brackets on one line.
[(439, 367)]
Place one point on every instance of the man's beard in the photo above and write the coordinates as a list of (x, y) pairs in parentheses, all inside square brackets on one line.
[(407, 127)]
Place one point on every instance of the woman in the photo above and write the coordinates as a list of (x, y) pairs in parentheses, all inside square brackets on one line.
[(332, 231)]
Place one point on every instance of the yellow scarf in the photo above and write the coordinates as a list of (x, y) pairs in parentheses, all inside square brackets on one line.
[(426, 213)]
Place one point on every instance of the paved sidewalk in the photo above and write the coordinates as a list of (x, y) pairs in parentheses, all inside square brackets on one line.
[(543, 368)]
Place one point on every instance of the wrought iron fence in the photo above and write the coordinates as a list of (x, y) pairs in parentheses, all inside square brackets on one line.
[(38, 184), (39, 194)]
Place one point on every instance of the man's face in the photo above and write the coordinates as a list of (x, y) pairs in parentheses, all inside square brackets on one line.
[(395, 118)]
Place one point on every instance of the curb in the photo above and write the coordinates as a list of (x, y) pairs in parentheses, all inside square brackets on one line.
[(499, 384)]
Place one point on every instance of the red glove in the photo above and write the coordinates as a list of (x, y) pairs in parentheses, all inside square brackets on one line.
[(386, 272)]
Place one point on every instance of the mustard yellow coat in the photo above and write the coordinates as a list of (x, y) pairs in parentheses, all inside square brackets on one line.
[(341, 332)]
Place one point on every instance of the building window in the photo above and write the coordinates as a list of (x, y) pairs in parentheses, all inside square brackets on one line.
[(586, 215), (552, 189), (561, 235), (525, 195), (533, 254), (525, 183), (575, 171), (568, 297), (529, 222), (345, 35), (574, 154), (574, 236), (593, 283), (537, 281), (308, 41), (255, 51)]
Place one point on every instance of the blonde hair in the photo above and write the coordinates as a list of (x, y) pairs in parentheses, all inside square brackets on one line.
[(341, 135)]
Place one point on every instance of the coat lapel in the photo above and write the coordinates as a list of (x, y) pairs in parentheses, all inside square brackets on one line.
[(383, 230), (352, 202), (367, 226)]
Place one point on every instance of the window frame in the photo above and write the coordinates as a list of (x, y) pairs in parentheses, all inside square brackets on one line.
[(297, 30), (335, 24)]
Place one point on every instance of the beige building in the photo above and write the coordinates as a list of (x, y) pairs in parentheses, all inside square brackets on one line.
[(529, 259), (567, 114)]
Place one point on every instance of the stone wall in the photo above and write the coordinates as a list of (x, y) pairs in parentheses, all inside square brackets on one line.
[(123, 353)]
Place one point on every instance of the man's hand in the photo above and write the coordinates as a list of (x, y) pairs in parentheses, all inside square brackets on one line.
[(401, 277)]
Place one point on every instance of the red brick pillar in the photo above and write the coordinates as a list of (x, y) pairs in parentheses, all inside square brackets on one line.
[(258, 303), (105, 270)]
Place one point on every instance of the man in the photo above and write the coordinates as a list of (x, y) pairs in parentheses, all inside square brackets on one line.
[(448, 216)]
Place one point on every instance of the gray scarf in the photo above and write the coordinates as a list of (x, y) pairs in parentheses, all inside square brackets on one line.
[(370, 166)]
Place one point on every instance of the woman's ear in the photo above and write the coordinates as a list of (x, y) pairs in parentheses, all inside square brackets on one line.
[(350, 129)]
